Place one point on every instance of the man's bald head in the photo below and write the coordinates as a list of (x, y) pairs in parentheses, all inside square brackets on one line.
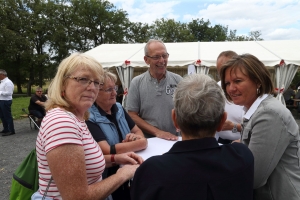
[(223, 58)]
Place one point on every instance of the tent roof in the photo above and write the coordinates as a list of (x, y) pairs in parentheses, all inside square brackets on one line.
[(185, 53)]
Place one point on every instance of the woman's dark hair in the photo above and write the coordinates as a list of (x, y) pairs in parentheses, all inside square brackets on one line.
[(250, 66)]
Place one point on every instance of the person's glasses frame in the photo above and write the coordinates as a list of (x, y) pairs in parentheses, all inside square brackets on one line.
[(164, 56), (111, 89), (39, 91), (86, 82)]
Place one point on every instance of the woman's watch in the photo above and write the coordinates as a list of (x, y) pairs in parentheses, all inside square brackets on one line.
[(234, 129)]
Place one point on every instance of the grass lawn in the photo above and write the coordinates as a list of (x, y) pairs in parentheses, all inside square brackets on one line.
[(17, 105)]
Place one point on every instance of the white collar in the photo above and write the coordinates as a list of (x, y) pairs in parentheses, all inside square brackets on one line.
[(3, 79), (254, 106)]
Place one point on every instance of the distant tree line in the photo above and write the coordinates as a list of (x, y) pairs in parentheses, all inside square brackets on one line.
[(35, 35)]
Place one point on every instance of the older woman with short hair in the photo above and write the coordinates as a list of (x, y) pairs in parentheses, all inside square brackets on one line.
[(197, 167), (70, 161), (113, 128), (269, 129)]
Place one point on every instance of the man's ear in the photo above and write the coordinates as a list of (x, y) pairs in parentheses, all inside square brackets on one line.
[(224, 118), (146, 60), (174, 119)]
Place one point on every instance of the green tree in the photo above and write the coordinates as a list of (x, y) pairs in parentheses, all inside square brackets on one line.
[(168, 30), (203, 31), (199, 28), (139, 33), (217, 33), (61, 31), (96, 22), (38, 34), (253, 36), (14, 44)]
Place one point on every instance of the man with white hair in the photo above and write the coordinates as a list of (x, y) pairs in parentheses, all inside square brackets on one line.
[(197, 167), (149, 101), (6, 91)]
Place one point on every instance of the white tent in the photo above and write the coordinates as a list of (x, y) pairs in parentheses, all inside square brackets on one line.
[(125, 57), (185, 53)]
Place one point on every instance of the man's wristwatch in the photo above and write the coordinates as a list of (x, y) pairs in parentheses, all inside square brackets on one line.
[(234, 129)]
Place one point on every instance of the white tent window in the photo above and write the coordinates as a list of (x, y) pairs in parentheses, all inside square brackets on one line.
[(284, 76), (125, 74), (202, 69)]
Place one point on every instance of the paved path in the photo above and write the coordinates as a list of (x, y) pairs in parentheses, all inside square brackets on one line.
[(14, 148)]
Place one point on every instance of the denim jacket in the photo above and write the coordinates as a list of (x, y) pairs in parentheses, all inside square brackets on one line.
[(109, 129)]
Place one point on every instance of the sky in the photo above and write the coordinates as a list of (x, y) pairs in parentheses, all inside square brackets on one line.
[(276, 19)]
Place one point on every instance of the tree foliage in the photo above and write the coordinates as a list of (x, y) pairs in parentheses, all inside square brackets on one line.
[(203, 31), (168, 30), (15, 44), (253, 36), (35, 35)]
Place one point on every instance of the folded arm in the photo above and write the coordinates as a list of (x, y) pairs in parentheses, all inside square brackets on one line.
[(132, 142)]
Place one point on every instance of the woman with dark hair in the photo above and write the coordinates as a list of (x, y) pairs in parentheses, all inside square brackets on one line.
[(269, 129)]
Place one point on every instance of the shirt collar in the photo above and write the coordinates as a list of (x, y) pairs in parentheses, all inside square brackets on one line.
[(254, 106), (114, 109), (3, 80), (152, 78), (194, 145)]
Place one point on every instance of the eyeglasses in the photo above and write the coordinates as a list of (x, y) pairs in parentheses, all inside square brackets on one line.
[(164, 56), (86, 82), (110, 90), (39, 91)]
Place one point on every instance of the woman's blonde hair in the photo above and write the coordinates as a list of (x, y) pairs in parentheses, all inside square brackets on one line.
[(109, 76), (68, 66)]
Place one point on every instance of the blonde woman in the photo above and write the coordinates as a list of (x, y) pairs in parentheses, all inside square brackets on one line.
[(70, 161)]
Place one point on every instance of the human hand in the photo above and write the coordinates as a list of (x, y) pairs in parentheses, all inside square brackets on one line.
[(166, 135), (228, 125), (130, 137), (238, 141), (128, 158), (127, 171)]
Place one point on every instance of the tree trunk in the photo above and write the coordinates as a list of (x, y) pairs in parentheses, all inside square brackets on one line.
[(18, 74)]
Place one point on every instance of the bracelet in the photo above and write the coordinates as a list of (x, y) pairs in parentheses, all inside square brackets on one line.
[(112, 159), (113, 149)]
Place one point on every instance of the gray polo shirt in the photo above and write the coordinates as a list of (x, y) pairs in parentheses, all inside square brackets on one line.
[(153, 101)]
